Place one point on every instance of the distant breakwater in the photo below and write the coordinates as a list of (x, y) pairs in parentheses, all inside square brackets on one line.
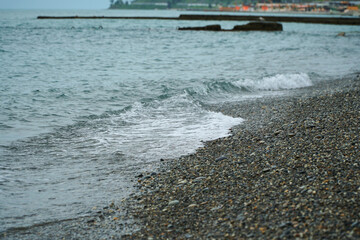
[(205, 17)]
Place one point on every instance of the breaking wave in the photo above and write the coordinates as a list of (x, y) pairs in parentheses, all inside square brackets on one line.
[(278, 82)]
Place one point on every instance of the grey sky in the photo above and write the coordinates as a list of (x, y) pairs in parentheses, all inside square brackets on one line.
[(54, 4)]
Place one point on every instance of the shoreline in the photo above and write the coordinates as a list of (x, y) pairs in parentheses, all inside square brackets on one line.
[(290, 170), (225, 17)]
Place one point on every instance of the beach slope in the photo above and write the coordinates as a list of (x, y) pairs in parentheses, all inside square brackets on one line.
[(292, 170)]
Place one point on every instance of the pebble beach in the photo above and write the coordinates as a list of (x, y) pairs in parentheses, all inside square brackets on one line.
[(291, 170)]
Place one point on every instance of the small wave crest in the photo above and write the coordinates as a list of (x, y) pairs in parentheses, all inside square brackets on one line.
[(4, 126), (215, 88), (278, 82), (164, 128), (233, 87)]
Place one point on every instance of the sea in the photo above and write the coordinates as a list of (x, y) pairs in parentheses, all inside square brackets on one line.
[(88, 104)]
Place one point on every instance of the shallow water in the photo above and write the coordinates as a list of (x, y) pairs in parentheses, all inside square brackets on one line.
[(83, 107)]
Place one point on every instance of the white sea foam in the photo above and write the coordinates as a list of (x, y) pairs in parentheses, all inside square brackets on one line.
[(278, 82), (169, 128)]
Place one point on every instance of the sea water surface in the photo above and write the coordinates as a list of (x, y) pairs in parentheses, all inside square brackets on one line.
[(86, 104)]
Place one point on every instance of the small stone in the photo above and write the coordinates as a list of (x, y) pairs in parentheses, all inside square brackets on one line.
[(199, 179), (240, 217), (277, 132), (216, 208), (262, 229), (310, 191), (145, 178), (355, 224), (310, 125), (174, 202), (182, 181), (91, 221), (192, 205), (220, 159), (285, 224)]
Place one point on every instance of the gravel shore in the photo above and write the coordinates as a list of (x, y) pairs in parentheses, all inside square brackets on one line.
[(291, 170)]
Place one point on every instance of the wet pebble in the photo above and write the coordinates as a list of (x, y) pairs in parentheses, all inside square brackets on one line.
[(174, 202)]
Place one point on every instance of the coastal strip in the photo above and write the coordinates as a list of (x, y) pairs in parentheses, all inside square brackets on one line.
[(291, 170), (211, 17), (318, 20)]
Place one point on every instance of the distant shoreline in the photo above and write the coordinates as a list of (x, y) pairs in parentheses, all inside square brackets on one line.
[(228, 17)]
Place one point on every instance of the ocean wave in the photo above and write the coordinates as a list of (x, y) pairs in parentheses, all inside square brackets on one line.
[(4, 126), (215, 88), (234, 88), (278, 82), (163, 128)]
